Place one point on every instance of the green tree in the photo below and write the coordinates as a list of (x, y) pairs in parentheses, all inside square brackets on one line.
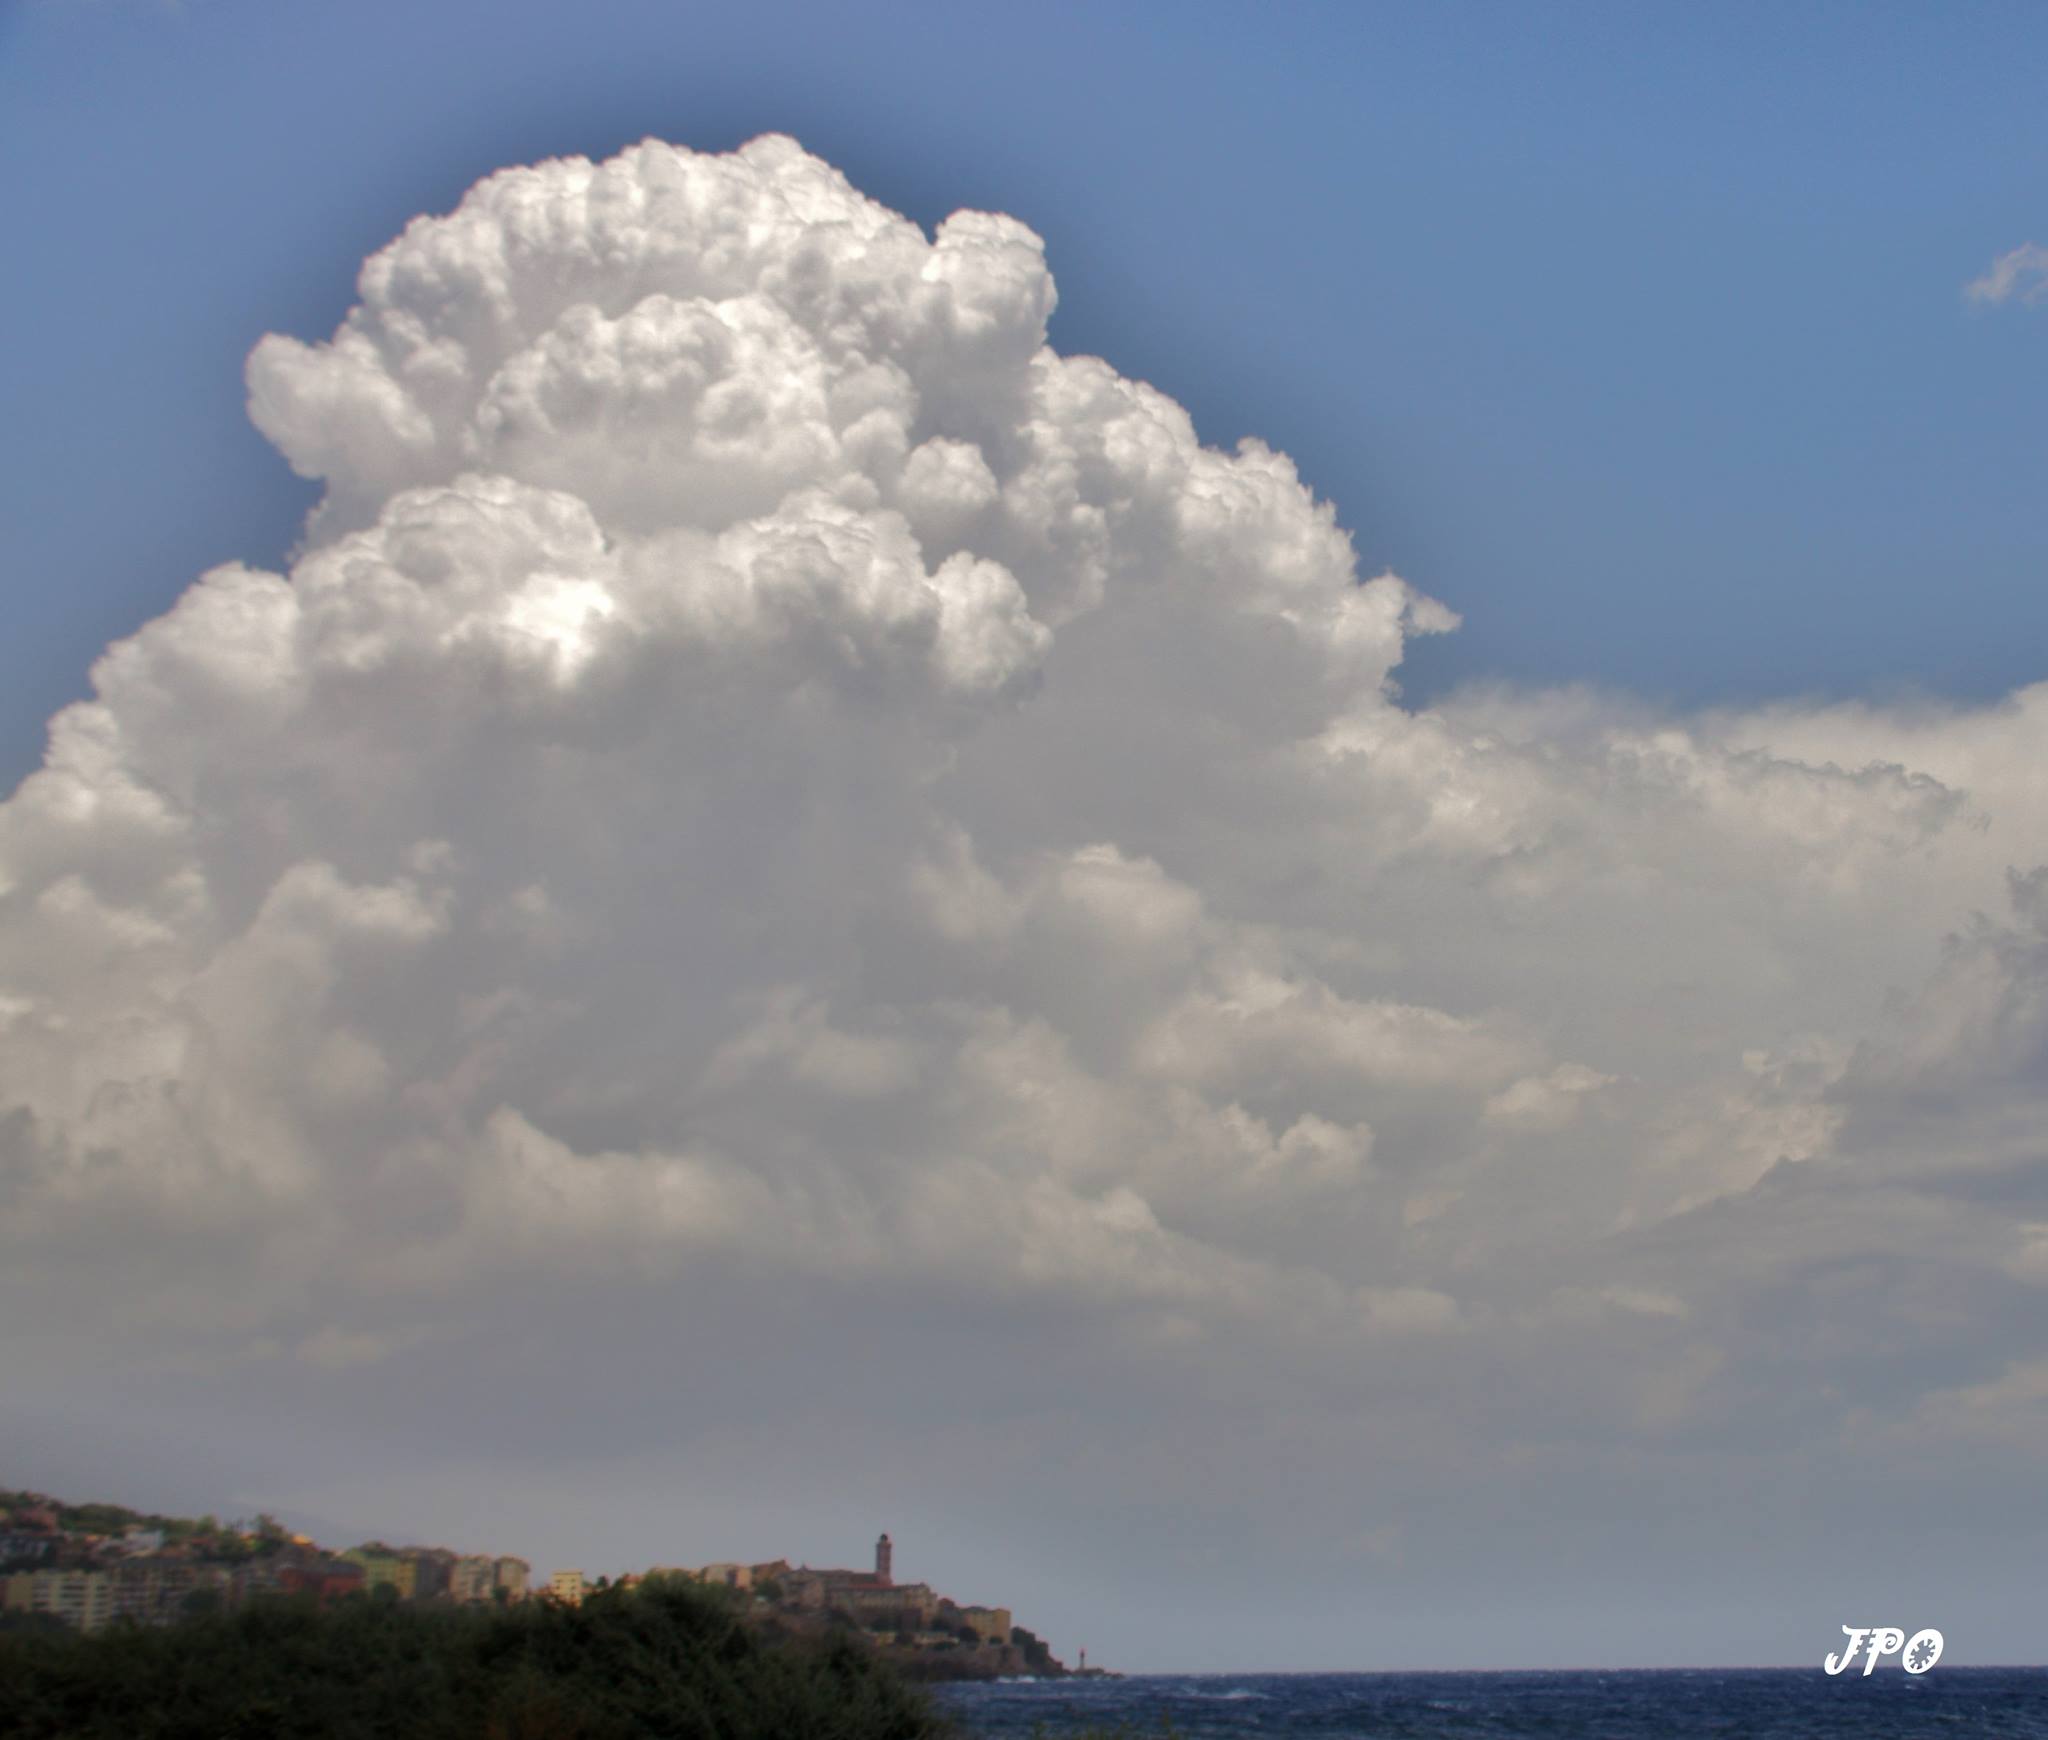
[(660, 1660)]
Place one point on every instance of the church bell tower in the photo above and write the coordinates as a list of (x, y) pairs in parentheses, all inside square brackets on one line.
[(884, 1554)]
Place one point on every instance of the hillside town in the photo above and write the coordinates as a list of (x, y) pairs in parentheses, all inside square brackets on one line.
[(95, 1565)]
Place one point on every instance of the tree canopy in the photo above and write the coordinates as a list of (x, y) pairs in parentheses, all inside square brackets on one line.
[(656, 1661)]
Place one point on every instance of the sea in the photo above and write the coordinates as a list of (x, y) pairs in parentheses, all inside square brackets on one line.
[(1660, 1704)]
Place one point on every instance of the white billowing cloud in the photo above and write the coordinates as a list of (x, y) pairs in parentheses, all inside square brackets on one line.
[(767, 776), (2019, 275)]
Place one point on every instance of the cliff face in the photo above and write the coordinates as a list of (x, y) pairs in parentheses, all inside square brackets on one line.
[(927, 1661), (987, 1661)]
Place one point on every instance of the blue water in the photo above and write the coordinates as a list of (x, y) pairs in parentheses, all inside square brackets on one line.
[(1672, 1704)]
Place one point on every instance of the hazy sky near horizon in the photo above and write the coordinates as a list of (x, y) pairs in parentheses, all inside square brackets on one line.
[(1298, 901)]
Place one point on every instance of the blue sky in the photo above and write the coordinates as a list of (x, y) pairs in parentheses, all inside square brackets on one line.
[(806, 918), (1635, 335)]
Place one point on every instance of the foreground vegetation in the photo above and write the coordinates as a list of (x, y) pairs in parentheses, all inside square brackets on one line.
[(664, 1660)]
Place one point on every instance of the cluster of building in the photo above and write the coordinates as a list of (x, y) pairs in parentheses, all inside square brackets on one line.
[(89, 1579), (142, 1574), (910, 1615), (431, 1573), (154, 1590)]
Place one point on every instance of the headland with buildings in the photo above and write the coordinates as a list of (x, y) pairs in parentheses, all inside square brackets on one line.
[(94, 1565)]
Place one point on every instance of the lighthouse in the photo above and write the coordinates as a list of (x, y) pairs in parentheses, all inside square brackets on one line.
[(884, 1553)]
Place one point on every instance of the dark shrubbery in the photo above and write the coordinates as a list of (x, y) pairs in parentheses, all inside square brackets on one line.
[(664, 1660)]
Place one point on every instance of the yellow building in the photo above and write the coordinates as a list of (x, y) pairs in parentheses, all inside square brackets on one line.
[(383, 1569), (893, 1606), (990, 1624), (567, 1586), (728, 1576), (82, 1599), (477, 1577)]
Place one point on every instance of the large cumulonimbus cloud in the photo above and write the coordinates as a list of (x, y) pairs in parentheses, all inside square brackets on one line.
[(764, 768)]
